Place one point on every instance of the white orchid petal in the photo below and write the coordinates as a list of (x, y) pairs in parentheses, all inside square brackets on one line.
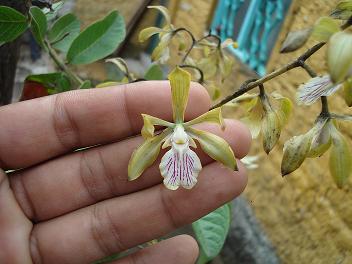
[(180, 167), (316, 87)]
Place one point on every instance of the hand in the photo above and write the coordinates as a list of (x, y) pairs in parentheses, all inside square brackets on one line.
[(77, 207)]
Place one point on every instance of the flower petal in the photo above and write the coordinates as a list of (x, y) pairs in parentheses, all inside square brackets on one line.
[(340, 56), (271, 130), (216, 147), (254, 118), (316, 87), (321, 141), (324, 28), (146, 154), (120, 63), (180, 81), (212, 116), (148, 32), (285, 108), (164, 12), (340, 158), (180, 168), (296, 149), (162, 52), (149, 123)]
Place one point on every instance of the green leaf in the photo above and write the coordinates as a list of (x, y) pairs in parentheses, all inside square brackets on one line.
[(12, 24), (154, 73), (340, 159), (98, 40), (324, 28), (87, 84), (56, 82), (64, 31), (211, 232), (39, 24)]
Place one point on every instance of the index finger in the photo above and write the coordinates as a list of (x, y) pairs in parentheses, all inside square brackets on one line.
[(36, 130)]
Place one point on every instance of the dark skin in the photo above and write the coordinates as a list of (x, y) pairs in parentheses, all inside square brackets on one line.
[(65, 207)]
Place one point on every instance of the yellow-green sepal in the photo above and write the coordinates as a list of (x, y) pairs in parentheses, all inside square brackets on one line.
[(163, 10), (340, 158), (107, 84), (324, 28), (212, 116), (271, 130), (180, 81), (148, 32), (321, 141), (285, 108), (347, 91), (254, 118), (161, 51), (297, 148), (149, 125), (146, 154), (340, 56), (216, 147)]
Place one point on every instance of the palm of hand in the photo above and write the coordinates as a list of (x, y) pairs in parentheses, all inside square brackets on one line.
[(77, 207)]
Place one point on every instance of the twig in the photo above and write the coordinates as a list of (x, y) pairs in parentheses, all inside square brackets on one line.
[(294, 64), (299, 62), (62, 65)]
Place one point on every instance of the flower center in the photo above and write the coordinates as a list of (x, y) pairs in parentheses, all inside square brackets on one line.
[(179, 136)]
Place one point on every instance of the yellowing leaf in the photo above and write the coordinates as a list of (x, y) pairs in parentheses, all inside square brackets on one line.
[(216, 147), (271, 130), (340, 56), (146, 154), (340, 159), (324, 28), (150, 122), (148, 32), (212, 116), (180, 81)]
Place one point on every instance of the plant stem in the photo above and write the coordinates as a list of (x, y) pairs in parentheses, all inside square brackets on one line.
[(324, 106), (62, 65)]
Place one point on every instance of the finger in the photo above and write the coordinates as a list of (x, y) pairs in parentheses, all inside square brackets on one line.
[(121, 223), (14, 227), (84, 178), (36, 130), (180, 249)]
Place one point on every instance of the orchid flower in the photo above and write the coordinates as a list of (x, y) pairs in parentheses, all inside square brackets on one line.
[(180, 165), (162, 52)]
